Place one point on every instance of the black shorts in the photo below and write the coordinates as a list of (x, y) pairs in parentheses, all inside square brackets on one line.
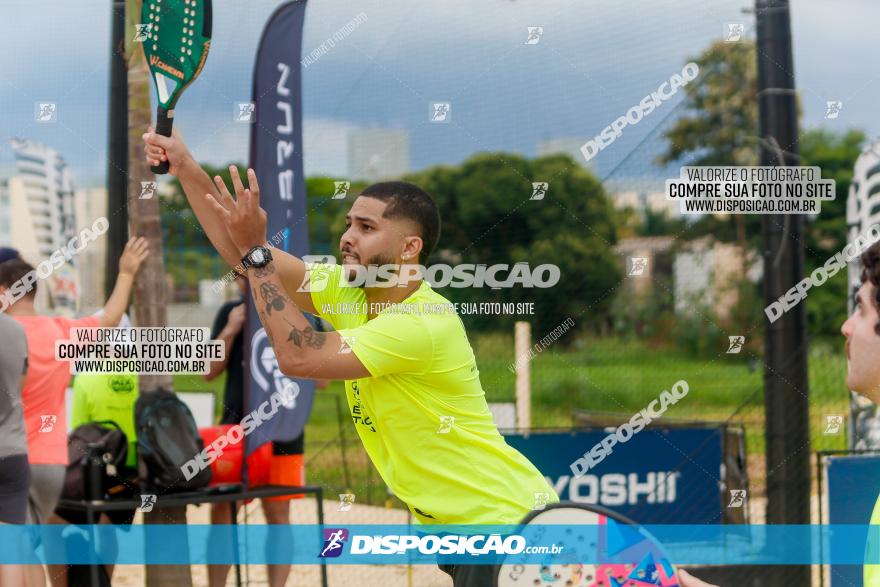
[(471, 575), (289, 447), (15, 482)]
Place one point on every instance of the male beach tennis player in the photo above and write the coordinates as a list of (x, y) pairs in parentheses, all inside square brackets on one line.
[(410, 374), (862, 332)]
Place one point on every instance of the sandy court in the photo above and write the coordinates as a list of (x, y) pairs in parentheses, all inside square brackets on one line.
[(304, 511)]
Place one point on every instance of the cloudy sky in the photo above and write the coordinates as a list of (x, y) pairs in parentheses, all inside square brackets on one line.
[(596, 59)]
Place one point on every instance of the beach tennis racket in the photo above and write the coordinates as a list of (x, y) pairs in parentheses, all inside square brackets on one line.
[(635, 558), (176, 37)]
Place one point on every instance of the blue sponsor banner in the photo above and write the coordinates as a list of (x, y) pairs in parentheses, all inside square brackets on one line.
[(658, 476), (276, 156), (853, 483), (701, 544)]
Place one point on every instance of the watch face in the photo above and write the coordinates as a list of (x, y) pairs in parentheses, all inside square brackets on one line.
[(258, 257)]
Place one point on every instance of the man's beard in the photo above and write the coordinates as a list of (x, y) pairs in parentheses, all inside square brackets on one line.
[(374, 261)]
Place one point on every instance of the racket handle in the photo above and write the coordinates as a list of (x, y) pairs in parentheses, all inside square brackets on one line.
[(164, 123)]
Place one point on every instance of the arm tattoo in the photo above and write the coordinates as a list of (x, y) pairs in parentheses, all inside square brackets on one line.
[(310, 337), (273, 298), (264, 319), (264, 271)]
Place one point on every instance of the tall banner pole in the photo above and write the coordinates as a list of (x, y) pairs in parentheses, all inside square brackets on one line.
[(276, 157)]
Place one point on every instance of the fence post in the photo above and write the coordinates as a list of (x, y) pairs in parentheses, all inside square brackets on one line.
[(522, 342)]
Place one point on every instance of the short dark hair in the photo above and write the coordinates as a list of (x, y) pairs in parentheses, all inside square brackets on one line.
[(13, 270), (406, 200), (871, 272)]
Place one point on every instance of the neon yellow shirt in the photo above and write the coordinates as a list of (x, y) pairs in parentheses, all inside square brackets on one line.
[(422, 415), (107, 396)]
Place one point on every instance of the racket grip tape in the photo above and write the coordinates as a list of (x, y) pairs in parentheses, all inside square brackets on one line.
[(164, 124)]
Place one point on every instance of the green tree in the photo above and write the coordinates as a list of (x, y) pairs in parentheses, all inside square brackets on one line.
[(659, 223), (720, 127), (722, 105), (488, 218)]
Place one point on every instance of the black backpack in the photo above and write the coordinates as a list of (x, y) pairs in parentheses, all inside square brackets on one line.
[(167, 438), (107, 445)]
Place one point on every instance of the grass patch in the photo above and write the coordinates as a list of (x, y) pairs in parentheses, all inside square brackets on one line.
[(605, 375)]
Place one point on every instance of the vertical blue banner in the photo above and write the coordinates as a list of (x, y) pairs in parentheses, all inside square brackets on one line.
[(276, 157)]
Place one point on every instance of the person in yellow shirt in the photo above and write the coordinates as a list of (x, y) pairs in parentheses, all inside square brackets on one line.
[(410, 374), (100, 397)]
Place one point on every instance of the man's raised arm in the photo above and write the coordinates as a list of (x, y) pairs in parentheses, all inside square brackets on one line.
[(200, 189)]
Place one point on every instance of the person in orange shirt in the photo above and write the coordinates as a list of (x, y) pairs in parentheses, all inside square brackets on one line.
[(43, 395)]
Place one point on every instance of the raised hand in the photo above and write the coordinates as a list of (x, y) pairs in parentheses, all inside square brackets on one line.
[(136, 250), (244, 219)]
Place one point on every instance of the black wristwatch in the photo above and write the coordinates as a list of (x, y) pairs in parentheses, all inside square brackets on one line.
[(258, 256)]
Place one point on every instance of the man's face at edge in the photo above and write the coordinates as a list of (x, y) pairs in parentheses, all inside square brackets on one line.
[(863, 345)]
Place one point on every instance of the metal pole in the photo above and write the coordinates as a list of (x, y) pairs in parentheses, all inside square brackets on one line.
[(786, 388), (522, 342), (117, 148)]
